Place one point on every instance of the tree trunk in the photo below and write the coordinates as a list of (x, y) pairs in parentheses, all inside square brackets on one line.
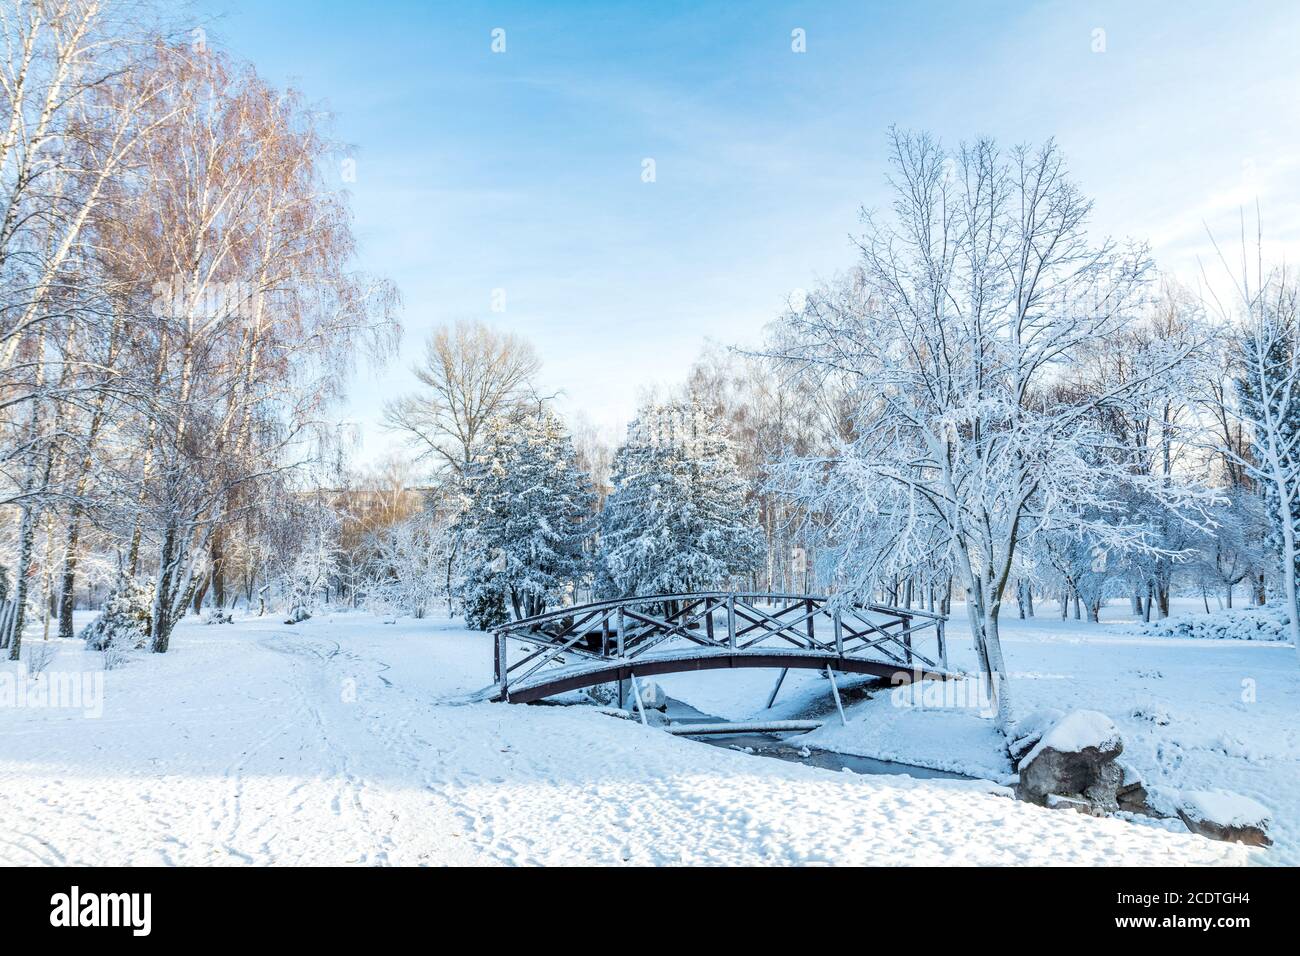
[(26, 543), (67, 583), (217, 574)]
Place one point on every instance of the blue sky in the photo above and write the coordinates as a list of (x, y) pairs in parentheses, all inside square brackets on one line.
[(522, 171)]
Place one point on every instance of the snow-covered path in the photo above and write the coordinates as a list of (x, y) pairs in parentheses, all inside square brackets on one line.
[(333, 742)]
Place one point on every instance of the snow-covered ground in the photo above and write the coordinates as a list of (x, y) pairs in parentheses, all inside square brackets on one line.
[(1194, 714), (341, 740)]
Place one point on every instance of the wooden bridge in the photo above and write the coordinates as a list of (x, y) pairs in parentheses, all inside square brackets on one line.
[(620, 640)]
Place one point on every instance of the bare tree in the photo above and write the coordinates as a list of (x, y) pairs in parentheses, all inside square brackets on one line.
[(471, 374)]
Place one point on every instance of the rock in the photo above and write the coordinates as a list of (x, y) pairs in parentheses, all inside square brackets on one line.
[(652, 695), (1057, 802), (298, 614), (1074, 758), (219, 616), (1223, 815), (1131, 795)]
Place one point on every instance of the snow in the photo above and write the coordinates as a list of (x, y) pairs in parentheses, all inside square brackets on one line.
[(1076, 731), (339, 741), (1193, 714)]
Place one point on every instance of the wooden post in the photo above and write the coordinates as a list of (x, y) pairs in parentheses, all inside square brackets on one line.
[(835, 691), (810, 607), (839, 634), (731, 621), (620, 632), (943, 644), (771, 698), (499, 660), (708, 618), (907, 636)]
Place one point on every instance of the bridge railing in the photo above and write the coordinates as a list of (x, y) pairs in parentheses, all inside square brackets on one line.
[(719, 622)]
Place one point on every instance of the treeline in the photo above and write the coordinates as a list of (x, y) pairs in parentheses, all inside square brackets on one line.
[(524, 516)]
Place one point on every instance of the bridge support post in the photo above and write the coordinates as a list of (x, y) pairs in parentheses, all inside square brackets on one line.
[(636, 696), (838, 627), (771, 699), (907, 637), (943, 643), (835, 692)]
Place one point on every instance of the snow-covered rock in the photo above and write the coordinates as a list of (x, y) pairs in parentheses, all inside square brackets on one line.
[(298, 614), (1224, 815), (1075, 758), (219, 615), (652, 695), (1131, 794), (1029, 730)]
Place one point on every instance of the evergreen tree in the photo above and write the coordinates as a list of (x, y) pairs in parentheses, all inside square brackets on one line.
[(677, 519), (527, 520)]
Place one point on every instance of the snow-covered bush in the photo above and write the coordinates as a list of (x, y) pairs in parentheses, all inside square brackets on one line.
[(38, 657), (409, 570), (124, 622), (485, 606), (1268, 623)]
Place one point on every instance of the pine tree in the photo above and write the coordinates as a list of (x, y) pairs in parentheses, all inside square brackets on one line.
[(677, 519), (527, 521)]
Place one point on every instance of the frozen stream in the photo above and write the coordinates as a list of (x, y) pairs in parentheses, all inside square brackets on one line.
[(775, 745)]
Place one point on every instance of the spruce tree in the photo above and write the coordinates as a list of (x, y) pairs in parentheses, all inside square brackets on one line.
[(677, 519), (527, 520)]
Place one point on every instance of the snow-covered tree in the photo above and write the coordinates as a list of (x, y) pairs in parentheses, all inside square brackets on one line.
[(1268, 391), (954, 326), (677, 519), (527, 519), (318, 557), (408, 570)]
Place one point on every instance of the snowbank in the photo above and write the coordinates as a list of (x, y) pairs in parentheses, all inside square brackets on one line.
[(1268, 623)]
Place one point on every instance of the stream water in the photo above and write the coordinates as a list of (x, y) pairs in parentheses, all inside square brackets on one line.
[(775, 745)]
